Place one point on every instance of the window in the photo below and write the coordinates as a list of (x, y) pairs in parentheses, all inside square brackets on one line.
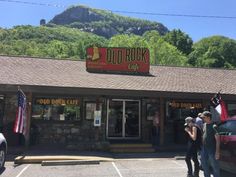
[(179, 110), (56, 109), (91, 107), (152, 108), (231, 110)]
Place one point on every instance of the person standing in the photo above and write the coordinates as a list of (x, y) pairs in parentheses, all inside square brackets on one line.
[(155, 129), (193, 146), (199, 121), (210, 152)]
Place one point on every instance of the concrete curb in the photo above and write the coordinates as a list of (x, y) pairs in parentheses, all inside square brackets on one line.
[(69, 159), (70, 162)]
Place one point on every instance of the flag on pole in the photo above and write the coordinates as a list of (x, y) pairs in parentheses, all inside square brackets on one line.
[(20, 122), (219, 106)]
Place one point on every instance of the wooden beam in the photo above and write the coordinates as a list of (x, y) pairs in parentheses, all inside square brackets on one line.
[(162, 116), (28, 120)]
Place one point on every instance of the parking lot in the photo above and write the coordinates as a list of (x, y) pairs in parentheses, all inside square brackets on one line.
[(121, 165), (162, 167)]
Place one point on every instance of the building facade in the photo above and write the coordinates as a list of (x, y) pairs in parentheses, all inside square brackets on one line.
[(76, 109)]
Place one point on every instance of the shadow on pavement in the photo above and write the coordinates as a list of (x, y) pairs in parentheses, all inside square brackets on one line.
[(148, 155), (14, 152)]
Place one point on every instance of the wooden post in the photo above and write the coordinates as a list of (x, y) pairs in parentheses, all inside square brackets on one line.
[(162, 116)]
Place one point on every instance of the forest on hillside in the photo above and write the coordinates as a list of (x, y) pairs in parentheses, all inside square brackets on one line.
[(69, 33), (174, 48)]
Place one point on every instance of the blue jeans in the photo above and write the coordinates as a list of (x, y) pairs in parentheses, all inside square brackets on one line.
[(207, 160)]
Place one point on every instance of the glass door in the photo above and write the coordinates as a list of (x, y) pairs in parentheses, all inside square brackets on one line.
[(131, 118), (115, 119), (123, 119)]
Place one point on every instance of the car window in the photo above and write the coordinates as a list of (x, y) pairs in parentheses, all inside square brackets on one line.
[(228, 127)]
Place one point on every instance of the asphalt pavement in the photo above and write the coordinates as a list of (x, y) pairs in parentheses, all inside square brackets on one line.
[(32, 162)]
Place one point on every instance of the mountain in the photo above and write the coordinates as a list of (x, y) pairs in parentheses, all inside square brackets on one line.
[(104, 23)]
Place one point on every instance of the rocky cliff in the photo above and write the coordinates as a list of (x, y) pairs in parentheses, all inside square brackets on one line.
[(104, 23)]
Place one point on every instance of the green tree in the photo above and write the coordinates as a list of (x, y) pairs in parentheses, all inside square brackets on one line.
[(215, 51), (180, 40), (152, 38), (169, 55), (162, 52), (127, 41), (56, 42)]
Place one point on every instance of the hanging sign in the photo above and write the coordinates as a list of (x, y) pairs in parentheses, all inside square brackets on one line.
[(118, 60)]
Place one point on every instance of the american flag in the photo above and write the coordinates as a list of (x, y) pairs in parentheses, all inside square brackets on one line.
[(20, 122), (219, 106)]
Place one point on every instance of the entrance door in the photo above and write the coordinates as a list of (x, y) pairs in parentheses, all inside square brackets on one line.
[(123, 119)]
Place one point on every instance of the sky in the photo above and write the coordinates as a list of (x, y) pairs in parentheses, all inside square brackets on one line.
[(26, 12)]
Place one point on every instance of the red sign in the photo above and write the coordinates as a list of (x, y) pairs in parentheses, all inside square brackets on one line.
[(118, 60)]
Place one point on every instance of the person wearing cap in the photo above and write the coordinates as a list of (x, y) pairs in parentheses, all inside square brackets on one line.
[(210, 152), (193, 146)]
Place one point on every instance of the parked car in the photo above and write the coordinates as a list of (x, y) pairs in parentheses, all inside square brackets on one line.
[(3, 150), (227, 132)]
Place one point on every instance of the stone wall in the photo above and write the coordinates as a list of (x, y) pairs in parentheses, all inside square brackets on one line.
[(72, 135)]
